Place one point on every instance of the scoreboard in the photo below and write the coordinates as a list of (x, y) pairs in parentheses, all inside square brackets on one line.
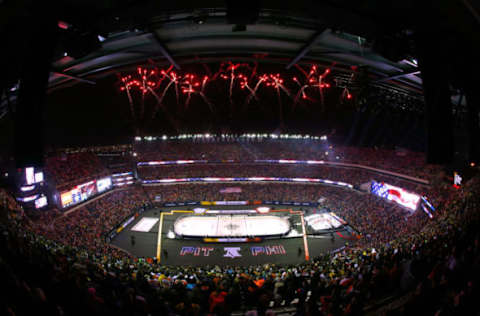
[(395, 194)]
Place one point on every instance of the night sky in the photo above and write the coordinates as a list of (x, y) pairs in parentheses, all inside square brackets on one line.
[(85, 114), (101, 113)]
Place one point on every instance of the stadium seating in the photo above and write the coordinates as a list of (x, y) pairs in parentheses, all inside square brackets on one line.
[(68, 169), (57, 264)]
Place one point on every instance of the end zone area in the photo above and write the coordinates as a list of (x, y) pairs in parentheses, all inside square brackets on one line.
[(141, 238)]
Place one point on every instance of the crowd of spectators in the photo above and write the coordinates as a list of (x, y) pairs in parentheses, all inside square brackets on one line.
[(342, 174), (249, 192), (60, 263), (117, 162), (400, 160), (99, 149), (7, 201), (64, 169), (378, 220), (86, 226), (73, 166), (432, 271)]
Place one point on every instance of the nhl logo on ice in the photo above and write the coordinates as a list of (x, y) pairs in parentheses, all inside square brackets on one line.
[(232, 252)]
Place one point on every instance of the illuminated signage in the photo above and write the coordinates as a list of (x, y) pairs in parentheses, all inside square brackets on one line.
[(28, 198), (78, 194), (104, 184), (27, 188), (130, 220), (66, 198), (38, 177), (230, 202), (457, 180), (251, 179), (121, 174), (29, 175), (395, 194), (41, 202)]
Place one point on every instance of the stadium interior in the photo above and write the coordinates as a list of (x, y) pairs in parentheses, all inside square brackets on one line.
[(239, 158)]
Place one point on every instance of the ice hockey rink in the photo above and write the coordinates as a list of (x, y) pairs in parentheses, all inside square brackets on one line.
[(231, 226), (181, 237)]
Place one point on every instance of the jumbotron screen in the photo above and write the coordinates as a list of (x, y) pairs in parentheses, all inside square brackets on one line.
[(395, 194), (104, 184), (33, 176), (41, 202), (78, 194)]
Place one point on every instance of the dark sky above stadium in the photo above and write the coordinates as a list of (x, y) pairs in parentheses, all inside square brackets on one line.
[(101, 114)]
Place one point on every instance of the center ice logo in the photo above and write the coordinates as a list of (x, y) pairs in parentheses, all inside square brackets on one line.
[(232, 227), (232, 252)]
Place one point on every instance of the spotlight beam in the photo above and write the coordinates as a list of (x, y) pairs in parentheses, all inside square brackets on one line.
[(308, 46), (164, 50), (398, 76), (472, 10), (74, 78)]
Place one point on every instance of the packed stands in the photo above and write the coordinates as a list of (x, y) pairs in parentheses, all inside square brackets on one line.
[(431, 271), (66, 169), (343, 174), (377, 219), (217, 149), (57, 263), (7, 201), (97, 218), (116, 162)]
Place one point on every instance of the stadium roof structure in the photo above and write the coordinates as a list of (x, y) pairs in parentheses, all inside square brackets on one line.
[(279, 35), (378, 40), (99, 37), (102, 36), (192, 36)]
